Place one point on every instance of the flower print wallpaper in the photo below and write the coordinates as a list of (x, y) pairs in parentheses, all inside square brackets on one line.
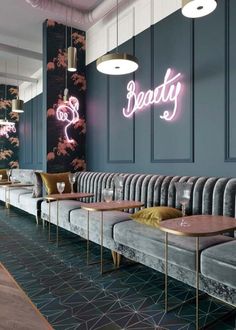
[(9, 138), (66, 123)]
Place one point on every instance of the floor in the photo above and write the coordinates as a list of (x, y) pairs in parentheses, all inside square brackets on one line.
[(72, 295)]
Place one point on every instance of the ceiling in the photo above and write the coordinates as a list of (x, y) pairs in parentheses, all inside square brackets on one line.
[(21, 26)]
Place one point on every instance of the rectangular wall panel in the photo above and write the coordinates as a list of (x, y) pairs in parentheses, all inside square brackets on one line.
[(121, 146), (172, 138), (230, 81)]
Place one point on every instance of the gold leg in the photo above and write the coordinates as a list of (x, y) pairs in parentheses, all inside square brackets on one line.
[(166, 272), (197, 283), (114, 257), (88, 238), (101, 242), (118, 258), (57, 219), (49, 221)]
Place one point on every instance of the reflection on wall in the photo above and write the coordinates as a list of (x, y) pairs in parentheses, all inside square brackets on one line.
[(65, 136), (9, 139)]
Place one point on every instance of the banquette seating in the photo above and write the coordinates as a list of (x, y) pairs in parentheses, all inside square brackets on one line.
[(144, 244)]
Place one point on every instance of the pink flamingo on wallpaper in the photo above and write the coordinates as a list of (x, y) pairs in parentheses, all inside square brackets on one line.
[(69, 113)]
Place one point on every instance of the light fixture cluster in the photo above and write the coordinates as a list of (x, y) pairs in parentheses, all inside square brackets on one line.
[(122, 63)]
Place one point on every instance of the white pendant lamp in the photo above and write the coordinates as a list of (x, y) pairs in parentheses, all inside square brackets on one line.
[(198, 8), (17, 104), (117, 63)]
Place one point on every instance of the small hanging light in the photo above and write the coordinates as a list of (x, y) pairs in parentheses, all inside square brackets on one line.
[(17, 104), (198, 8), (117, 63), (71, 53)]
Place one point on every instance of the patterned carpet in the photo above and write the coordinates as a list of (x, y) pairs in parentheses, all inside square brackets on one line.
[(73, 296)]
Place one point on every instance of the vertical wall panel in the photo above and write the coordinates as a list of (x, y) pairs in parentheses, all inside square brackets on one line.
[(31, 134), (172, 48), (121, 147), (231, 81)]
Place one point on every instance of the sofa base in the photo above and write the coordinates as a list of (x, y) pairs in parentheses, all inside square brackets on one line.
[(207, 285)]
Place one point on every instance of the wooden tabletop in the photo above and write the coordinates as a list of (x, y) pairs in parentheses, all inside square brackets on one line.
[(111, 206), (199, 225), (16, 185), (4, 182), (66, 196)]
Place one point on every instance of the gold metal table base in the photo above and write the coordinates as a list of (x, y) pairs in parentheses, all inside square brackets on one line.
[(196, 279), (102, 261)]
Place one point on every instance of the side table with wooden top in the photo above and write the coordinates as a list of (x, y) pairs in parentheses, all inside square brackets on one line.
[(195, 226), (61, 197), (104, 207)]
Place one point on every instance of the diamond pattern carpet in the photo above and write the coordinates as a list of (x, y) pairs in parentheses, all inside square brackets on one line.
[(74, 296)]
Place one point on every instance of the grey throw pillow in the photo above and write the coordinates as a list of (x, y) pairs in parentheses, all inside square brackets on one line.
[(38, 186)]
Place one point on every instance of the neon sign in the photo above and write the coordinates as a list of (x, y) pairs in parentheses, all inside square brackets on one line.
[(69, 113), (6, 129), (166, 93)]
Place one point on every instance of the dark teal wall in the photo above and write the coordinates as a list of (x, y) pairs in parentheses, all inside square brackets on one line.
[(202, 140), (31, 134)]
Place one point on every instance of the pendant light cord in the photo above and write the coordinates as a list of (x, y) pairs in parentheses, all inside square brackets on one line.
[(117, 35), (5, 88), (66, 53), (17, 63)]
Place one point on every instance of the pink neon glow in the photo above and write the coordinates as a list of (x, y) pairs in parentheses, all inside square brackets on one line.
[(167, 92), (69, 113), (6, 129)]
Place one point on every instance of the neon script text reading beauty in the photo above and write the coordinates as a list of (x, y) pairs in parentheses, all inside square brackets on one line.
[(168, 93)]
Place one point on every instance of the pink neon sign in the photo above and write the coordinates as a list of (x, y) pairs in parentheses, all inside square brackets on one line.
[(166, 93), (69, 113), (6, 129)]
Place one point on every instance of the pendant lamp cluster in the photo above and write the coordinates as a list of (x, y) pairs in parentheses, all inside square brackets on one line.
[(198, 8), (122, 63)]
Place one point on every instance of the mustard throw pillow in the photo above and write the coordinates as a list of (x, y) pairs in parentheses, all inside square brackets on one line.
[(50, 182), (152, 216), (4, 174)]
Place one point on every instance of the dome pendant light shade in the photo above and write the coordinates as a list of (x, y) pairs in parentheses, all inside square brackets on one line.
[(198, 8), (117, 64), (17, 105), (72, 59)]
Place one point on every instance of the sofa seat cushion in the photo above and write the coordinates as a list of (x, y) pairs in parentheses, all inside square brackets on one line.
[(64, 207), (28, 203), (15, 194), (151, 241), (219, 263), (78, 220)]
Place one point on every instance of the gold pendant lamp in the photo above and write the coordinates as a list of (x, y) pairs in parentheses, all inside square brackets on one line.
[(117, 63), (17, 104)]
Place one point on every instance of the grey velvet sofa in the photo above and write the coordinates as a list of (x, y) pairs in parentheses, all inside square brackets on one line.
[(22, 197), (144, 244)]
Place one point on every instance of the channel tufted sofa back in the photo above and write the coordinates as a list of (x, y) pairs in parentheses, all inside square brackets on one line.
[(210, 195)]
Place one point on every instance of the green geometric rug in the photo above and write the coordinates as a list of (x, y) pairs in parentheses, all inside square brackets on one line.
[(73, 296)]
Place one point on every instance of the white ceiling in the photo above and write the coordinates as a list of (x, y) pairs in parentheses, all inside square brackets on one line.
[(21, 26)]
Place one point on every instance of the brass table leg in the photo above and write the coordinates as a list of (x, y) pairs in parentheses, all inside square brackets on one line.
[(88, 238), (57, 220), (166, 272), (49, 221), (197, 283), (101, 242)]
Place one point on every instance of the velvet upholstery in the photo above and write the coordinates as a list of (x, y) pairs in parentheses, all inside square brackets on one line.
[(151, 241), (219, 263)]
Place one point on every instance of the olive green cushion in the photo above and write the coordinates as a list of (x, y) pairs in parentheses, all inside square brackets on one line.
[(152, 216), (50, 182)]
